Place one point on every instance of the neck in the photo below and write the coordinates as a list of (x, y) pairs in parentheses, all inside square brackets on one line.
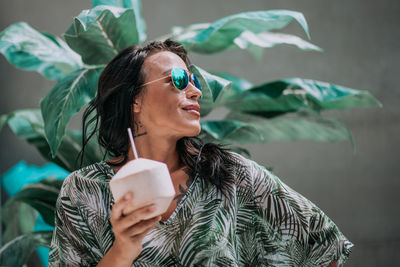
[(157, 148)]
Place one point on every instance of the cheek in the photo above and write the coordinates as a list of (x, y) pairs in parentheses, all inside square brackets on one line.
[(161, 108)]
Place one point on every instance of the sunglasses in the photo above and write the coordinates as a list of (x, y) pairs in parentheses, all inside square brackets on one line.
[(180, 79)]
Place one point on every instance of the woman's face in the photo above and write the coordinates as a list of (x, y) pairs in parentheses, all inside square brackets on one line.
[(162, 109)]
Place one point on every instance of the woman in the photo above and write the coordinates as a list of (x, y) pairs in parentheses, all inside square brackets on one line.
[(228, 210)]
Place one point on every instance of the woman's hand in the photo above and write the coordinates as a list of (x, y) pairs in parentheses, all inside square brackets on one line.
[(129, 226), (129, 229)]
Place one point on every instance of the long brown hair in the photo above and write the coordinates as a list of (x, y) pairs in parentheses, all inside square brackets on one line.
[(119, 84)]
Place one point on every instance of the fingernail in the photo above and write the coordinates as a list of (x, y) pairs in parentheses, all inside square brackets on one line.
[(128, 195)]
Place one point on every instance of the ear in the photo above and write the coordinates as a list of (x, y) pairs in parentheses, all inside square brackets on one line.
[(137, 104)]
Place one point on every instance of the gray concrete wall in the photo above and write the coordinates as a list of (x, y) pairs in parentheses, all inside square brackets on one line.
[(360, 38)]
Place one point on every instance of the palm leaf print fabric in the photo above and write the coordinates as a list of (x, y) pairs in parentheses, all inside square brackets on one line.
[(258, 221)]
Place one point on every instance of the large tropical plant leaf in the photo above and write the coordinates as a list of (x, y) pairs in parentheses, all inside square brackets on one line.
[(213, 87), (256, 42), (25, 123), (293, 93), (230, 131), (64, 100), (238, 84), (100, 33), (17, 251), (41, 196), (301, 125), (28, 49), (221, 34), (28, 125), (18, 218), (136, 5), (3, 121), (117, 3)]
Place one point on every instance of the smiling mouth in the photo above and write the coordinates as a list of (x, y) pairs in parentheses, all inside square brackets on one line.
[(192, 111)]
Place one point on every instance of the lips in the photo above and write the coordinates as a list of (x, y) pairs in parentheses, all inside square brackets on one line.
[(193, 109)]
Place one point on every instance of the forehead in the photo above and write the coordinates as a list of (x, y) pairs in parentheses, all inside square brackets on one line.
[(161, 63)]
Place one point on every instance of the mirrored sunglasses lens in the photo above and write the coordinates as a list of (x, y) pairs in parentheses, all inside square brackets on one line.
[(196, 81), (180, 78)]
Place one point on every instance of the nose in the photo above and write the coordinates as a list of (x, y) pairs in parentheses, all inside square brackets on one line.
[(193, 92)]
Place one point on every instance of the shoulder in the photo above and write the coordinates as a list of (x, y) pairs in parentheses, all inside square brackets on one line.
[(98, 172), (88, 189), (87, 180), (246, 168), (243, 162), (257, 178)]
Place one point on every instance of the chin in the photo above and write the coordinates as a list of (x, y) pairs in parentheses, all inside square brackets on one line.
[(194, 131)]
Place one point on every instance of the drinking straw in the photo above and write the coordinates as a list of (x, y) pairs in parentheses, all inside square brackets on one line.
[(132, 143)]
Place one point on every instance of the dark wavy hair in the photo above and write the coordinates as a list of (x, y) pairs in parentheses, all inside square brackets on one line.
[(119, 84)]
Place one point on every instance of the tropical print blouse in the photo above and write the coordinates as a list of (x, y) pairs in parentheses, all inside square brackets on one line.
[(260, 221)]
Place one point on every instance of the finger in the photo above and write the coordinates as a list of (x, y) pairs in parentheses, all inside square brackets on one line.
[(120, 205), (141, 229), (131, 207), (136, 216)]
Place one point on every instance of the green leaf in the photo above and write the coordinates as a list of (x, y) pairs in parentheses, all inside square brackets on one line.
[(251, 41), (3, 121), (184, 33), (136, 5), (300, 125), (28, 125), (213, 89), (294, 93), (99, 34), (229, 131), (117, 3), (18, 219), (222, 33), (70, 147), (239, 85), (64, 100), (28, 49), (17, 251), (41, 196)]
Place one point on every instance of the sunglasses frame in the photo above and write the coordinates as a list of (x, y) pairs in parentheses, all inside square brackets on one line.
[(190, 80)]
